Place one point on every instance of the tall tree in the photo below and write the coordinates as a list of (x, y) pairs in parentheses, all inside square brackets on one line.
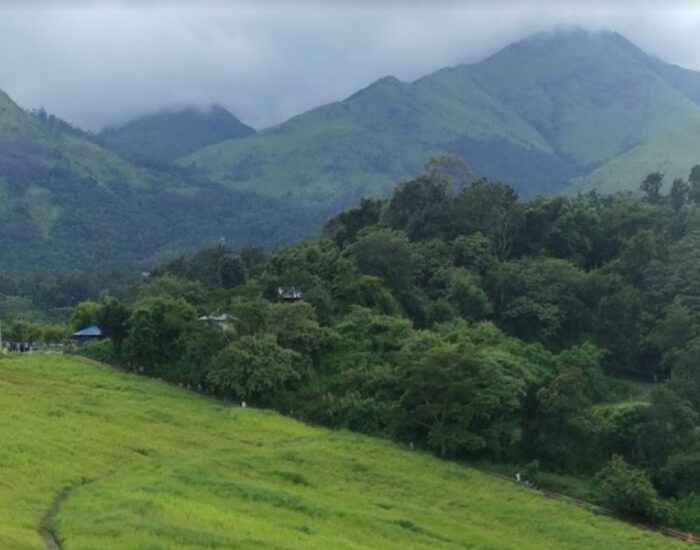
[(694, 181), (651, 187), (678, 196)]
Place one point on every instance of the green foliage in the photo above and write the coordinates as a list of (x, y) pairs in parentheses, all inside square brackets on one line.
[(561, 331), (112, 318), (651, 186), (156, 328), (101, 350), (253, 368), (84, 315), (384, 253), (629, 490), (296, 327)]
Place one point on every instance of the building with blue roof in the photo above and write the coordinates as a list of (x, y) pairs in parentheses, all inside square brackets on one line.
[(87, 334)]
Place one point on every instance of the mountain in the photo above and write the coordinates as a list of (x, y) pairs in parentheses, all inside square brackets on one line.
[(558, 112), (168, 135), (67, 203)]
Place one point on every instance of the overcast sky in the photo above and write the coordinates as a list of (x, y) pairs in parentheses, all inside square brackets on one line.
[(102, 62)]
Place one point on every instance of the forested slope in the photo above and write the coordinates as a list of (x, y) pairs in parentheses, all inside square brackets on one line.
[(562, 333), (66, 202)]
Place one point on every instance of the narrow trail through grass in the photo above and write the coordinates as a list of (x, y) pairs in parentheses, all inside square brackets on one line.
[(47, 522), (146, 465)]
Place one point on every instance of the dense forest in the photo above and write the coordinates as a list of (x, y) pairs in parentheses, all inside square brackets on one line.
[(558, 333)]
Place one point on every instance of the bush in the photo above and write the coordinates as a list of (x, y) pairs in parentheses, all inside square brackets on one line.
[(253, 368), (686, 513), (629, 491), (102, 350)]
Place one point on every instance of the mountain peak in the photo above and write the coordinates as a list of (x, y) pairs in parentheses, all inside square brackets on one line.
[(573, 42), (172, 133), (574, 35)]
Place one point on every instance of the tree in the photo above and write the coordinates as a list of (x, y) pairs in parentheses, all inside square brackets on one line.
[(681, 473), (232, 271), (156, 330), (296, 327), (564, 423), (487, 207), (385, 253), (678, 197), (440, 401), (466, 295), (344, 227), (694, 181), (670, 425), (637, 257), (85, 314), (618, 328), (629, 490), (685, 373), (112, 319), (451, 170), (254, 368), (541, 299), (171, 286), (459, 399), (651, 187), (475, 252)]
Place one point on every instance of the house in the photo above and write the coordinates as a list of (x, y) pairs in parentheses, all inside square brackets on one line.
[(87, 334), (289, 293), (222, 321)]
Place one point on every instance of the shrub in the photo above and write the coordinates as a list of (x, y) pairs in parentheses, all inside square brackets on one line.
[(629, 491)]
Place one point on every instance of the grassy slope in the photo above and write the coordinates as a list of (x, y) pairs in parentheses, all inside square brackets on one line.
[(149, 466)]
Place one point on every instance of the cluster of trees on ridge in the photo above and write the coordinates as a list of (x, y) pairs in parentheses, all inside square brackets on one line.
[(560, 332)]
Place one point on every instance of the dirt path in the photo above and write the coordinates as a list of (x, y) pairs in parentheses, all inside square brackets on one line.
[(46, 525)]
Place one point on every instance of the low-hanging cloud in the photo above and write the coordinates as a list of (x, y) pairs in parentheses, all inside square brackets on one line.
[(106, 62)]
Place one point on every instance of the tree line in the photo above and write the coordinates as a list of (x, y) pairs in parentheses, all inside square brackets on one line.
[(561, 332)]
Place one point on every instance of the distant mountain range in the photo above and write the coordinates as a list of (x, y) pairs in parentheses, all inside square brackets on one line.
[(67, 203), (559, 112), (168, 135)]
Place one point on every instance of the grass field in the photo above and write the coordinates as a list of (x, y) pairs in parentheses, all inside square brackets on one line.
[(109, 460)]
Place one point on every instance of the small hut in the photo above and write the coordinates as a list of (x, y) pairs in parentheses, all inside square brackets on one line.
[(87, 334)]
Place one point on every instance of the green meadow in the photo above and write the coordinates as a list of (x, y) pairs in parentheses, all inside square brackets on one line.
[(104, 459)]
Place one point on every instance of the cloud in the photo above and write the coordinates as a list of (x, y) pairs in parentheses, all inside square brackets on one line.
[(106, 62)]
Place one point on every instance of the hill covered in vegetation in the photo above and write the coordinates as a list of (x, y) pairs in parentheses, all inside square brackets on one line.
[(171, 134), (67, 202), (559, 112), (103, 459), (559, 333)]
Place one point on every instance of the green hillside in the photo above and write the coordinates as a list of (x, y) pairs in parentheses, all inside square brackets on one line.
[(108, 460), (171, 134), (552, 109), (67, 202)]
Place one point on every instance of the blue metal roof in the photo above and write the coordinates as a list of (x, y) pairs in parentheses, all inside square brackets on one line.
[(89, 331)]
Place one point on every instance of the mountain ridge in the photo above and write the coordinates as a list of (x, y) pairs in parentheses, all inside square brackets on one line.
[(550, 113), (67, 202), (172, 133)]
